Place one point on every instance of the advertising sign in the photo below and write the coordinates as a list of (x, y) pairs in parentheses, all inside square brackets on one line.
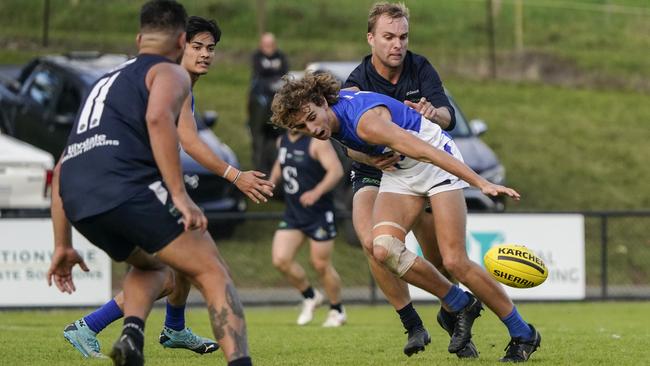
[(26, 247), (557, 238)]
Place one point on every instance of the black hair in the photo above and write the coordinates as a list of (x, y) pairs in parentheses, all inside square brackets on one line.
[(163, 15), (196, 25)]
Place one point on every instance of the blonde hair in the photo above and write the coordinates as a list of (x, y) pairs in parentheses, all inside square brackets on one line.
[(391, 10), (317, 88)]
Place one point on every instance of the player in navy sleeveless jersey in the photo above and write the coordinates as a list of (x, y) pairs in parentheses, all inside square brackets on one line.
[(391, 69), (121, 186), (202, 37), (430, 168), (309, 169)]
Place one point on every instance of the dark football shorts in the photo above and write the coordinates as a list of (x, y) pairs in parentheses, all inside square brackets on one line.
[(362, 179), (318, 228), (143, 221)]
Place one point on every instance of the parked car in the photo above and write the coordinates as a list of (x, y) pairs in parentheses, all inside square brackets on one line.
[(475, 152), (39, 106), (25, 178)]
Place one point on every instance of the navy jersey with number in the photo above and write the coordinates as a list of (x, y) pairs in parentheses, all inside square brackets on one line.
[(301, 173), (108, 158), (418, 79)]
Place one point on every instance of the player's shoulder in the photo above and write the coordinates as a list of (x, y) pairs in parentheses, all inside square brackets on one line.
[(169, 71), (317, 147), (168, 67), (359, 74), (417, 60)]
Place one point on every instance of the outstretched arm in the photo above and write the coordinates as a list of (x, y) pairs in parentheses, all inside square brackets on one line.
[(65, 256), (375, 127), (250, 182), (169, 86)]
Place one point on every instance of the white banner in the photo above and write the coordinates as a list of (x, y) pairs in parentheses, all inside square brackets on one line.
[(557, 238), (26, 247)]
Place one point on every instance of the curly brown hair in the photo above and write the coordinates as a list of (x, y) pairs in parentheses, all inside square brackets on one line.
[(313, 87)]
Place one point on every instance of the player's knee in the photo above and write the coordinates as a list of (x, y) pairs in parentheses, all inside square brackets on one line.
[(367, 245), (170, 281), (380, 254), (457, 265), (281, 263), (392, 252), (320, 266)]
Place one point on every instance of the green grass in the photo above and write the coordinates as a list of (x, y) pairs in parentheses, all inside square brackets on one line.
[(564, 147), (614, 333), (587, 35)]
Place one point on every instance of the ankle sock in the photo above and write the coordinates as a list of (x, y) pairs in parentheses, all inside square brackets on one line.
[(338, 307), (175, 317), (456, 299), (134, 327), (409, 317), (308, 293), (102, 317), (516, 325)]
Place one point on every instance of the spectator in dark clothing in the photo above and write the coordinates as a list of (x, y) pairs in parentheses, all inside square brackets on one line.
[(268, 65)]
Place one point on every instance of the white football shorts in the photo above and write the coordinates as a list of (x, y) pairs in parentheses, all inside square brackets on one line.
[(416, 178)]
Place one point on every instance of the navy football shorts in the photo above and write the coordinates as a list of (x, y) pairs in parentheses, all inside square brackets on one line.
[(319, 228), (143, 221), (362, 179)]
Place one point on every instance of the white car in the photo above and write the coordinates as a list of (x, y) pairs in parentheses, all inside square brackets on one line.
[(25, 176)]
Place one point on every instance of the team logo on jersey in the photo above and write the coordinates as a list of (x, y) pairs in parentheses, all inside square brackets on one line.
[(298, 155), (411, 92)]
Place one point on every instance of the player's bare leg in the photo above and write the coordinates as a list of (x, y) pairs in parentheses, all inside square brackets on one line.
[(399, 212), (321, 260), (174, 333), (449, 214), (197, 257), (285, 245), (395, 290), (393, 216), (424, 230), (143, 284)]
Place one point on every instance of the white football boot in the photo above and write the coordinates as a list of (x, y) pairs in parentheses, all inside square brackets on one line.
[(308, 308), (335, 319)]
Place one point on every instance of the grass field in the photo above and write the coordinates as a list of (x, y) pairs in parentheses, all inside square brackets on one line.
[(615, 333), (563, 145)]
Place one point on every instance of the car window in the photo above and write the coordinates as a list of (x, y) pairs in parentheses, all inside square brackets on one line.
[(43, 86), (69, 100)]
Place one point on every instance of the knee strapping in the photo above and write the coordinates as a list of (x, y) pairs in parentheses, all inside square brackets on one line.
[(399, 259)]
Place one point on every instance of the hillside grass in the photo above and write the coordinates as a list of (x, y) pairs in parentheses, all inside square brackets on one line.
[(564, 147), (572, 334), (579, 143), (586, 32)]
